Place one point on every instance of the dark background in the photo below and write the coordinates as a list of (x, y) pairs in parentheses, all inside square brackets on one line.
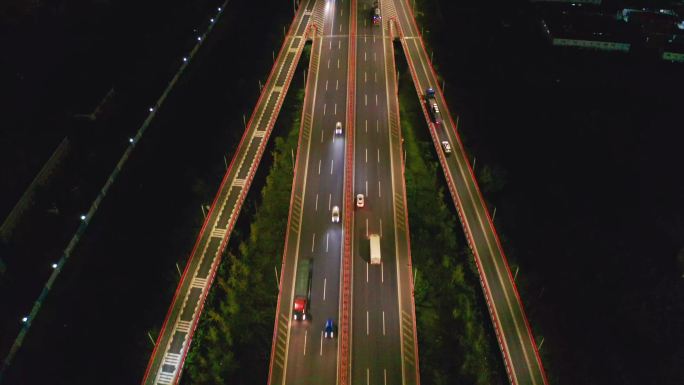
[(583, 149), (118, 284), (580, 151)]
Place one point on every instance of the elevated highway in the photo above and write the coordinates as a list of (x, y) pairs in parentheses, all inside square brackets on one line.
[(167, 359), (513, 331)]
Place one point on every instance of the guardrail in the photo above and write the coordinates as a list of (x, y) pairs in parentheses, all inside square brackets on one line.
[(344, 345)]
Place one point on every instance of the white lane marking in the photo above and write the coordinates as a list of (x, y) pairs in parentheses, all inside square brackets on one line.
[(325, 106), (327, 240), (383, 333), (340, 27), (321, 353), (331, 165), (341, 11), (313, 241), (365, 38), (378, 155), (330, 45), (366, 273), (325, 283), (366, 125), (379, 191), (367, 324), (326, 85), (319, 166), (328, 63), (366, 188), (365, 76), (376, 77), (364, 22), (367, 376), (377, 126), (376, 99), (385, 375), (337, 84), (339, 44), (329, 200), (335, 109), (364, 56), (322, 131), (373, 38), (375, 57), (382, 271), (338, 63), (365, 99), (366, 154), (305, 334), (380, 227), (316, 208)]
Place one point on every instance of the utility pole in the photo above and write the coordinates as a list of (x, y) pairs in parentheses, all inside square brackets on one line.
[(516, 273), (178, 268), (244, 120), (494, 215), (203, 213)]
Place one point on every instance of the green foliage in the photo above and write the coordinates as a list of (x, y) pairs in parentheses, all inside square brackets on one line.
[(453, 342), (234, 334)]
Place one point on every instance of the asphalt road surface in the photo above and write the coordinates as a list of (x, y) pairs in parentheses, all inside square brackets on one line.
[(301, 355), (382, 327)]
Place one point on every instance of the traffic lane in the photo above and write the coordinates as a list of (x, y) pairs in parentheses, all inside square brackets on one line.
[(408, 27), (508, 313), (378, 302), (312, 221), (311, 368)]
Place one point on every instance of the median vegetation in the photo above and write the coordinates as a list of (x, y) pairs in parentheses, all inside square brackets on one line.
[(456, 342), (232, 343)]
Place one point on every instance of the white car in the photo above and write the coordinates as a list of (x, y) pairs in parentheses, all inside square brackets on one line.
[(447, 147), (335, 214), (338, 128), (360, 200)]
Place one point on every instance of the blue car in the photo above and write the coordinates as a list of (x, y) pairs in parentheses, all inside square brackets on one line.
[(329, 331)]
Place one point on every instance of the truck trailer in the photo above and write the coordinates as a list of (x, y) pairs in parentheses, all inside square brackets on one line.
[(374, 249), (300, 307)]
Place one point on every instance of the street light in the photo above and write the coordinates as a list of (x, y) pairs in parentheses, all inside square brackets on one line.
[(83, 217), (24, 319), (130, 140), (54, 265), (151, 109), (185, 59), (199, 38), (211, 20)]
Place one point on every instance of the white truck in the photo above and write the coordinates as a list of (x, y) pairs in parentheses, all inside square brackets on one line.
[(374, 249)]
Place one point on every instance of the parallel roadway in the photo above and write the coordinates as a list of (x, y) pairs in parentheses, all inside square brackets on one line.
[(166, 362), (505, 306)]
